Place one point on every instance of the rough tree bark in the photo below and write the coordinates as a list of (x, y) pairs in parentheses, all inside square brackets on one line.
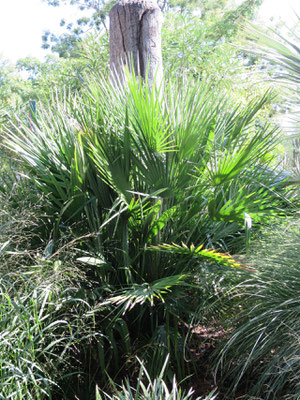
[(135, 34)]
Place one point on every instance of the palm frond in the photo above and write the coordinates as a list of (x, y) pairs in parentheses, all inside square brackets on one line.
[(199, 252)]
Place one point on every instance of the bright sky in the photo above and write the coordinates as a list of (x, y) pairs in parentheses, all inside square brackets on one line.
[(285, 9), (22, 23)]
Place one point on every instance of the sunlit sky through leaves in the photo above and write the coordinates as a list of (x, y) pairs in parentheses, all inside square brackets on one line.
[(22, 23)]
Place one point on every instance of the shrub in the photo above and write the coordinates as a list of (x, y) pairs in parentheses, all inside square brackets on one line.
[(138, 177)]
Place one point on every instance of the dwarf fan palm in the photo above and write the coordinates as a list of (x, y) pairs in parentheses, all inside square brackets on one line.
[(141, 170)]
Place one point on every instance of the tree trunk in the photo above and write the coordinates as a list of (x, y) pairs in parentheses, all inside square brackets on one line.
[(135, 37)]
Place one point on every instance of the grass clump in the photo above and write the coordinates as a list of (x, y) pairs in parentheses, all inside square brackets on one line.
[(43, 324), (263, 352)]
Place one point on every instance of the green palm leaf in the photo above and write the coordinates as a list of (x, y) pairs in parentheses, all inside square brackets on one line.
[(199, 252)]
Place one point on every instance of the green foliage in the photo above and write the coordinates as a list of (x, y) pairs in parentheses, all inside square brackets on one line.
[(143, 169), (264, 348)]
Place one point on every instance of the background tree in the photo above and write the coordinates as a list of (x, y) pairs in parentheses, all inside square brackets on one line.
[(13, 86), (45, 76), (94, 16), (221, 17)]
